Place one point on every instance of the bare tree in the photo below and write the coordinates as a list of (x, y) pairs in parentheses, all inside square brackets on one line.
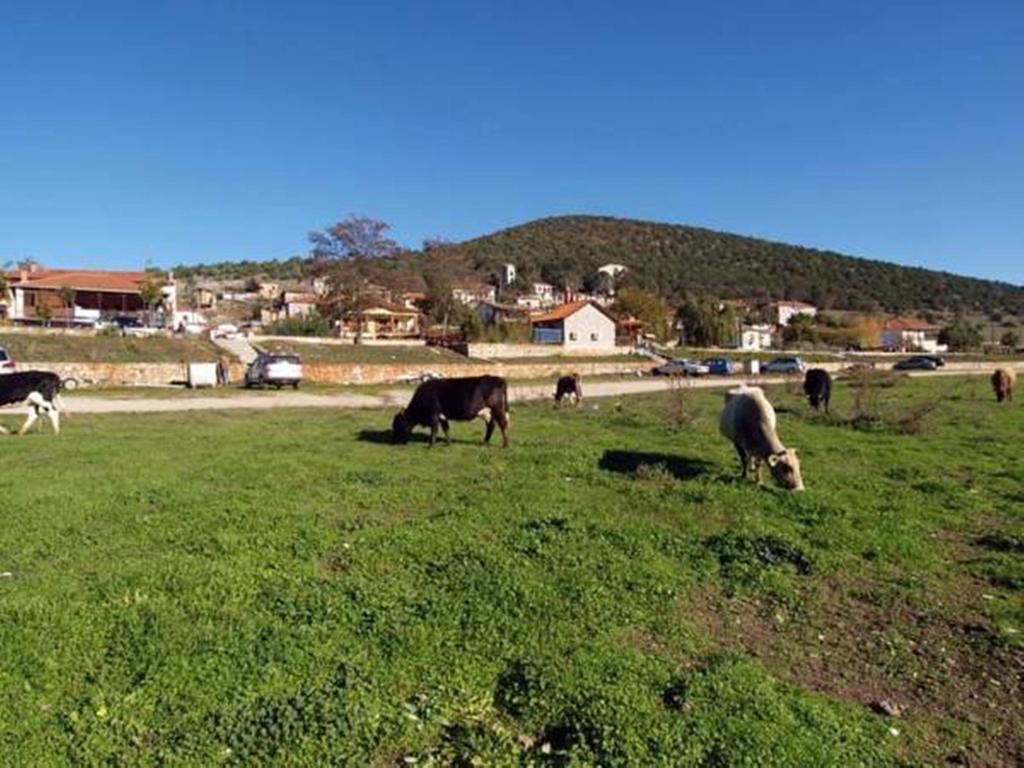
[(349, 255)]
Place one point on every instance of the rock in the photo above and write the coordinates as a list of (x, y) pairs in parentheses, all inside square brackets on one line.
[(886, 707)]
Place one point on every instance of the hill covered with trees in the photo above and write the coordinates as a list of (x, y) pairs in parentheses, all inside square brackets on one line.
[(683, 262)]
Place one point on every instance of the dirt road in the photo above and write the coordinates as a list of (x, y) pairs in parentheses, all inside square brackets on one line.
[(396, 397)]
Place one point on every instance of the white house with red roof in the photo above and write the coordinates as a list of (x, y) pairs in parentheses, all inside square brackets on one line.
[(576, 325), (907, 334), (93, 294)]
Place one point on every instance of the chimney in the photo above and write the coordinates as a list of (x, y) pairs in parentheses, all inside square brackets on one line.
[(22, 274)]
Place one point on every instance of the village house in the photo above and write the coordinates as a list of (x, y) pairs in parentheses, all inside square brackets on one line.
[(904, 334), (506, 276), (754, 338), (782, 312), (473, 293), (576, 325), (383, 320), (206, 298), (492, 313), (81, 296), (546, 292)]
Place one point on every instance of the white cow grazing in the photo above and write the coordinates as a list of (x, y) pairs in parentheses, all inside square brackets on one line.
[(748, 419)]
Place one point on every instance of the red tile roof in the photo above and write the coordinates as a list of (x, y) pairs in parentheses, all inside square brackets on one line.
[(81, 280), (563, 311)]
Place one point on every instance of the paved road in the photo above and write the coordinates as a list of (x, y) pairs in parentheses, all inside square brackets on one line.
[(396, 397)]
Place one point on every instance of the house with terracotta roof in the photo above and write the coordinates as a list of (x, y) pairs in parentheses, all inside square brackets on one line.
[(80, 296), (383, 320), (907, 334), (575, 325)]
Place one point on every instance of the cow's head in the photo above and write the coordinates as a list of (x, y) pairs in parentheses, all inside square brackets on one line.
[(785, 468), (400, 428)]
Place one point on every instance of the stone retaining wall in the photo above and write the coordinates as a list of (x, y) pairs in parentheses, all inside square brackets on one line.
[(353, 373), (156, 374)]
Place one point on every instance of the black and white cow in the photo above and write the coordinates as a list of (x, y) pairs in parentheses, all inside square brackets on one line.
[(40, 389), (818, 388), (439, 401), (569, 386)]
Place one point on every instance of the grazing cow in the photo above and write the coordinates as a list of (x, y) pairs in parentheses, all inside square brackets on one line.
[(1003, 382), (437, 401), (748, 419), (37, 388), (818, 388), (569, 386)]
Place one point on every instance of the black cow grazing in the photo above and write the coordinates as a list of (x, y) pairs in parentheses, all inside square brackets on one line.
[(818, 388), (37, 388), (439, 401), (569, 386)]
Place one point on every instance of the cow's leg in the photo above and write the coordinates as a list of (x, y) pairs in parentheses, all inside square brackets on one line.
[(54, 415), (502, 419), (33, 414), (743, 460), (444, 427), (489, 431), (827, 398)]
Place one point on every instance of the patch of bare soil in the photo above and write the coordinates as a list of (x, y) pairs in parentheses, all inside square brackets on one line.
[(943, 671)]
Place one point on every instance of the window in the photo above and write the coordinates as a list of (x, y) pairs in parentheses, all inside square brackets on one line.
[(593, 336), (572, 335)]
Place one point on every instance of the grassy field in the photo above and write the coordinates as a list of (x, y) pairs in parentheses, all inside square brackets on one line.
[(71, 348), (365, 353), (289, 588)]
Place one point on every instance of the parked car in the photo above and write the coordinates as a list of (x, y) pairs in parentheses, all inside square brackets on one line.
[(721, 366), (225, 331), (918, 363), (681, 368), (784, 365), (939, 361), (275, 370), (7, 364)]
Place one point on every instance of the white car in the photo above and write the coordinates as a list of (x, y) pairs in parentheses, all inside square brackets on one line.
[(274, 370), (682, 368), (226, 331)]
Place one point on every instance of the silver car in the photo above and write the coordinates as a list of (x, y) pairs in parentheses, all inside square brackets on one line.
[(275, 370)]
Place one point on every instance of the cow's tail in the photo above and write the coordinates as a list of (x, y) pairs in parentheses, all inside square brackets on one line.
[(58, 401), (504, 402)]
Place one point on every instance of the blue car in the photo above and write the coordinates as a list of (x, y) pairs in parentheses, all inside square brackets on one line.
[(721, 366)]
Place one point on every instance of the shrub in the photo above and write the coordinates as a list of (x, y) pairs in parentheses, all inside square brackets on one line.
[(309, 325)]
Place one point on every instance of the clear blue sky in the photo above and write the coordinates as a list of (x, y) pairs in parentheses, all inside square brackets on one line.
[(195, 131)]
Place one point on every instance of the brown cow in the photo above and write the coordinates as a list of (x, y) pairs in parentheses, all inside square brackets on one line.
[(1003, 382)]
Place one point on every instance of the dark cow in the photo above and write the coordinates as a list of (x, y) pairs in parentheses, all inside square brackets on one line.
[(1003, 382), (818, 388), (439, 401), (37, 388), (569, 386)]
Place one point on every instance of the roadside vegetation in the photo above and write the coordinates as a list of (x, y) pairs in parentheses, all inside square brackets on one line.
[(102, 348), (605, 591)]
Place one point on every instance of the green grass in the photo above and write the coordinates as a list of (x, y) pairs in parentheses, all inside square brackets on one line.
[(366, 353), (289, 588), (71, 348)]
